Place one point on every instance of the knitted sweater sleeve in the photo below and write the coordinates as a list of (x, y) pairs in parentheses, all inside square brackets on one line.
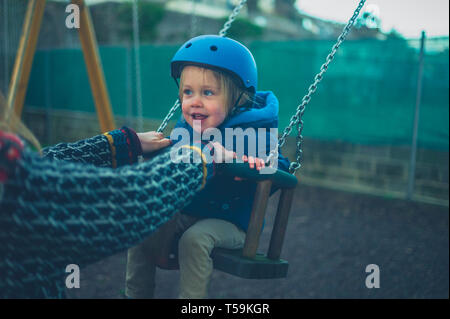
[(55, 213), (112, 149), (94, 150)]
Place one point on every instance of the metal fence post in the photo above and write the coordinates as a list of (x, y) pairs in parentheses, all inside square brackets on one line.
[(129, 87), (412, 163), (137, 63)]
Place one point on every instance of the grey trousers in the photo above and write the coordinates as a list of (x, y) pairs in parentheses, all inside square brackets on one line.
[(198, 238)]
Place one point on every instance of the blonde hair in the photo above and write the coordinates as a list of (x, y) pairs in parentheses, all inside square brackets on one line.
[(228, 86), (9, 122)]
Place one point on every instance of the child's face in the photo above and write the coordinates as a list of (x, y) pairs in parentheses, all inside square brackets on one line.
[(203, 99)]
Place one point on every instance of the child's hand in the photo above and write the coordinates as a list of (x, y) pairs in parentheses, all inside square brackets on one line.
[(221, 154), (253, 162), (152, 141)]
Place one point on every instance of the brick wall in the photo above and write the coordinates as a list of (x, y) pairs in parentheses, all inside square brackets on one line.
[(378, 170)]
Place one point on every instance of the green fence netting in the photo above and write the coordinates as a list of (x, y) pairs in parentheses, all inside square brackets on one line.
[(367, 96)]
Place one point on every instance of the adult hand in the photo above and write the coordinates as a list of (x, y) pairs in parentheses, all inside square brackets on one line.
[(152, 141)]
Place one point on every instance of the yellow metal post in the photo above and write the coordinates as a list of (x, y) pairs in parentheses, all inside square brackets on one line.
[(25, 54), (94, 68)]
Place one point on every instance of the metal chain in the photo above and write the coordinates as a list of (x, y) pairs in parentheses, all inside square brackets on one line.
[(194, 19), (231, 18), (296, 119), (169, 116), (222, 33)]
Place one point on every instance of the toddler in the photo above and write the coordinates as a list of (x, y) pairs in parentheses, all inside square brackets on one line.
[(217, 89)]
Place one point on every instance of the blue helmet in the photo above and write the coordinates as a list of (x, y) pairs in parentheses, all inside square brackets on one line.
[(215, 52)]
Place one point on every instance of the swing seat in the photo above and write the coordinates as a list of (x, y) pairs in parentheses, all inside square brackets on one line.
[(279, 178), (246, 262), (232, 262)]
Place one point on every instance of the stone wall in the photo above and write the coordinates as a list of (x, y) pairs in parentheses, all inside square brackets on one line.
[(378, 170)]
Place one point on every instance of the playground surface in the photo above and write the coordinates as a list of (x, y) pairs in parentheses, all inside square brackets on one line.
[(331, 237)]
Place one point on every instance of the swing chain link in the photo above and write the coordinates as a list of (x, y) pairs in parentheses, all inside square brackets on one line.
[(169, 115), (296, 119), (222, 33), (231, 18)]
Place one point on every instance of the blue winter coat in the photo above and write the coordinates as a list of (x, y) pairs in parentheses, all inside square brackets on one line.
[(225, 198)]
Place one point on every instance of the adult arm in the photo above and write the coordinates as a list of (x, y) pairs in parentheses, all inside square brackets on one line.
[(111, 149), (55, 213)]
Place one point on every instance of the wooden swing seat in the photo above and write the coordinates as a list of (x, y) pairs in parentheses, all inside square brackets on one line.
[(246, 262), (232, 262)]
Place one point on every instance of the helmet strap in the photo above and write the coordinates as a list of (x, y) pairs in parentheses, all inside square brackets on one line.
[(176, 81), (237, 101)]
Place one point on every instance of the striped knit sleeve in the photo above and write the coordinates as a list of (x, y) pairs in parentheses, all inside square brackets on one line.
[(55, 213), (112, 149)]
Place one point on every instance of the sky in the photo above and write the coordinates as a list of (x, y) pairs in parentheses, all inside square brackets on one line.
[(408, 17)]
